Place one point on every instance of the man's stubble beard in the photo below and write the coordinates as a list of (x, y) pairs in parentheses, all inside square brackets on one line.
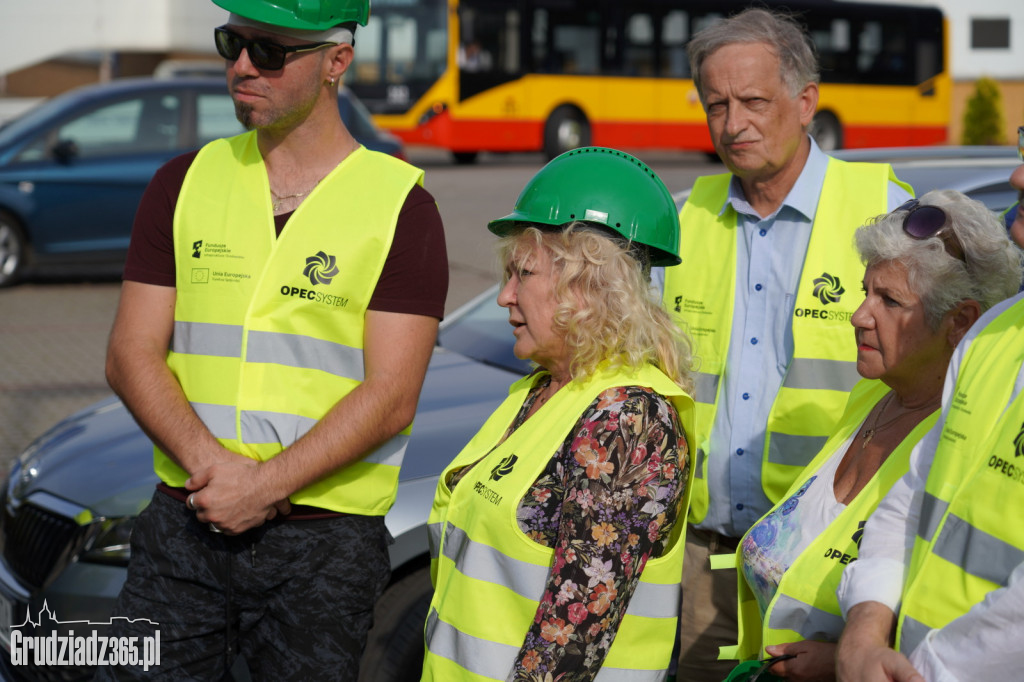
[(243, 112)]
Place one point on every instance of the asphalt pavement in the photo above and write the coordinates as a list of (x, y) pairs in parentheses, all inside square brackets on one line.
[(53, 333)]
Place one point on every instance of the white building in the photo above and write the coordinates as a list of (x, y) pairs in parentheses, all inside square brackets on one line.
[(35, 31)]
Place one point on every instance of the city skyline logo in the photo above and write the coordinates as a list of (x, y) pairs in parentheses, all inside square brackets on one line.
[(828, 289), (60, 646), (51, 617), (320, 269)]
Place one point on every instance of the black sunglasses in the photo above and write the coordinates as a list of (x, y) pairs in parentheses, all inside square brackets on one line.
[(925, 220), (263, 53)]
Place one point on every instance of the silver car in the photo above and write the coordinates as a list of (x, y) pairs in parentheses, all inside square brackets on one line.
[(72, 497)]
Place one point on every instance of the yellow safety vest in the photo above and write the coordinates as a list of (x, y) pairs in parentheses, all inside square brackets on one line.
[(823, 367), (807, 592), (268, 331), (489, 576), (970, 536)]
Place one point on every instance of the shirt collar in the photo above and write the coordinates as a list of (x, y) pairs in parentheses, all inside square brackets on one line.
[(803, 197)]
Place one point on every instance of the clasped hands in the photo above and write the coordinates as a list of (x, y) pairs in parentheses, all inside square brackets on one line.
[(232, 494)]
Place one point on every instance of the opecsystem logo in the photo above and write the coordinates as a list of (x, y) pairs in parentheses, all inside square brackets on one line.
[(828, 289), (1018, 443), (320, 269), (858, 534), (504, 467)]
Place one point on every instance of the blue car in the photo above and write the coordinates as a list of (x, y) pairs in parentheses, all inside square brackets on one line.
[(73, 169)]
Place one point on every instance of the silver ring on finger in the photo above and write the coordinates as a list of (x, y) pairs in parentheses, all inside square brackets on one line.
[(191, 502)]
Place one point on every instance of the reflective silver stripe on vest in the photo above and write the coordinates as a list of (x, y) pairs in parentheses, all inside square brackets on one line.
[(810, 621), (295, 350), (494, 660), (976, 552), (912, 633), (816, 373), (705, 387), (479, 656), (219, 419), (391, 452), (278, 427), (932, 511), (274, 427), (798, 451), (699, 471), (434, 538), (482, 562), (205, 338)]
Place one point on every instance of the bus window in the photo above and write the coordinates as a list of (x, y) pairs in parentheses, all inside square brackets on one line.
[(640, 46), (400, 53), (489, 48), (566, 42), (675, 32)]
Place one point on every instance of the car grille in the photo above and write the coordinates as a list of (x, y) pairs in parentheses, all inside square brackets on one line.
[(37, 543)]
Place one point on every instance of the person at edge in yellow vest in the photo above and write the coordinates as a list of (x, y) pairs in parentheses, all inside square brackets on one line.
[(932, 268), (557, 533), (938, 591), (766, 289), (280, 304)]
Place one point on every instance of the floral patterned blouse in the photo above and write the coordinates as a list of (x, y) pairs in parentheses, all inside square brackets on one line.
[(606, 503)]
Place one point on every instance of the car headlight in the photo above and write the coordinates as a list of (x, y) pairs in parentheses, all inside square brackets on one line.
[(110, 542)]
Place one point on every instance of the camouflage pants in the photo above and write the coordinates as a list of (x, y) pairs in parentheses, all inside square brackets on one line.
[(295, 598)]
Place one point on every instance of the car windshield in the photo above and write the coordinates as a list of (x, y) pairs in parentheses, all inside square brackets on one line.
[(480, 330), (14, 129)]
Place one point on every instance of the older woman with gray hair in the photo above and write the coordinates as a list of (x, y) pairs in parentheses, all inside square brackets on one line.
[(933, 266)]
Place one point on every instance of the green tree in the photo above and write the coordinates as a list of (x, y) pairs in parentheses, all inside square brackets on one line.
[(983, 119)]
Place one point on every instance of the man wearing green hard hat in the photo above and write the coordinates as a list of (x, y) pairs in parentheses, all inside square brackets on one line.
[(280, 303)]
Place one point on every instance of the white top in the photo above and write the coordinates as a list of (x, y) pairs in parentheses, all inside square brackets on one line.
[(979, 645), (783, 534)]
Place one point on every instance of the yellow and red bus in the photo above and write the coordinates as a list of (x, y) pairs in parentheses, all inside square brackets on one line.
[(550, 75)]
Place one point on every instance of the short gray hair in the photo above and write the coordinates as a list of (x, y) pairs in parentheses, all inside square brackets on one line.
[(994, 264), (780, 33)]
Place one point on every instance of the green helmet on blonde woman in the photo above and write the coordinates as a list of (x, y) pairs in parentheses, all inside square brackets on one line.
[(605, 188), (308, 15)]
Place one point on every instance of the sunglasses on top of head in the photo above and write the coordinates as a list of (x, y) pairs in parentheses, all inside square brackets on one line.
[(926, 220), (263, 53)]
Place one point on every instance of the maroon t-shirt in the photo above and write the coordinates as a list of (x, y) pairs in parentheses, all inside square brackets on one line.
[(415, 275)]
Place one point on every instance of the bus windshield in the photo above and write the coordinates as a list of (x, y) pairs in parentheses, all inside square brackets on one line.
[(400, 53)]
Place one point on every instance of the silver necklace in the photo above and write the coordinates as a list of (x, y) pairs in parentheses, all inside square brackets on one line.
[(278, 200)]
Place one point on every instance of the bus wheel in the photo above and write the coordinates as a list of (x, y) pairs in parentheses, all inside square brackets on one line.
[(566, 129), (465, 158), (826, 131)]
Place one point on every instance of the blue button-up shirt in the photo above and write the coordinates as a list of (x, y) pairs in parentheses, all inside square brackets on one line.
[(770, 253)]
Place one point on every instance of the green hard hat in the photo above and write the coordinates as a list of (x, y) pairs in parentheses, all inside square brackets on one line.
[(751, 671), (309, 15), (603, 187)]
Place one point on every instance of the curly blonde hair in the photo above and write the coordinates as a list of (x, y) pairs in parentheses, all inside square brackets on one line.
[(605, 308)]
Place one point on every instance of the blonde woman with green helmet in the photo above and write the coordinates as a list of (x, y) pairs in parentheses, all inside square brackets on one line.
[(557, 533)]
